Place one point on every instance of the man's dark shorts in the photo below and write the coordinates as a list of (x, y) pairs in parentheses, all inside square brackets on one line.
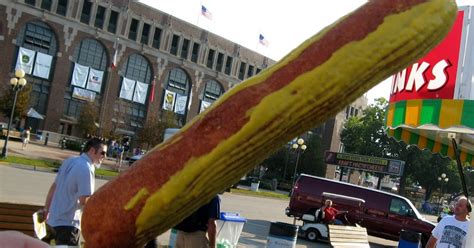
[(66, 235)]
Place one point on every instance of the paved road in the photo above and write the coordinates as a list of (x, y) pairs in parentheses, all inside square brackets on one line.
[(23, 185)]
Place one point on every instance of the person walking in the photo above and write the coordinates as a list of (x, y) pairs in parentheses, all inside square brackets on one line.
[(74, 184), (452, 230), (25, 137)]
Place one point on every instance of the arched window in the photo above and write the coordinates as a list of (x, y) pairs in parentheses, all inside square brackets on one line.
[(176, 95), (37, 39), (212, 90), (130, 107), (90, 57)]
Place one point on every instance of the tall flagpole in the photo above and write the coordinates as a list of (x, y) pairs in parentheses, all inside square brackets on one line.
[(107, 88)]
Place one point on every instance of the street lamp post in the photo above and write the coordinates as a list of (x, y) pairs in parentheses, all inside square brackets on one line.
[(300, 147), (17, 83), (442, 179)]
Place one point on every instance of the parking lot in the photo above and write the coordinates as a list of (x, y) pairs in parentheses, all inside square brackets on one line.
[(23, 185)]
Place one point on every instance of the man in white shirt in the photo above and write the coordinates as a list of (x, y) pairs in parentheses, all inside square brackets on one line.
[(73, 186), (451, 231)]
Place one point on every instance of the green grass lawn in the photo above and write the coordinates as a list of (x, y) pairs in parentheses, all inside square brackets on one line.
[(52, 164), (31, 162), (261, 193)]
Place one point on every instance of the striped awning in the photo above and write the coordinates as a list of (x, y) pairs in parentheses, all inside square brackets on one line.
[(432, 123)]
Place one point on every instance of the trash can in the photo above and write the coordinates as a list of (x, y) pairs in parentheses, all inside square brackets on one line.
[(254, 186), (409, 239), (229, 227), (282, 235)]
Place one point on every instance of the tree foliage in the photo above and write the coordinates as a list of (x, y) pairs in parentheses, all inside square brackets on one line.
[(22, 102), (153, 130), (88, 119), (281, 165), (366, 136)]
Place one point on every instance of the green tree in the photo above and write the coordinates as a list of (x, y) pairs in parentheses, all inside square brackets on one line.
[(312, 160), (154, 128), (366, 136), (88, 119), (22, 102)]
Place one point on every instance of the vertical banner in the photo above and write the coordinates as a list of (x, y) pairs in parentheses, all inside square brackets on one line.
[(95, 80), (42, 65), (180, 106), (25, 60), (204, 106), (79, 76), (126, 92), (168, 101), (140, 92)]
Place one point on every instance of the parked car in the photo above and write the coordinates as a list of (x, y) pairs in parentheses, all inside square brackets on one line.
[(383, 214)]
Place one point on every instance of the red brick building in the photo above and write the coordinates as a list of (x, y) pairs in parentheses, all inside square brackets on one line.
[(72, 45)]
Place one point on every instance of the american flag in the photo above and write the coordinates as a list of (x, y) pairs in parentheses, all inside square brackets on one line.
[(206, 13), (263, 41)]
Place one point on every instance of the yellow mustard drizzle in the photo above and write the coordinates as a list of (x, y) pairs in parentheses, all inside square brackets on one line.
[(347, 74), (136, 199)]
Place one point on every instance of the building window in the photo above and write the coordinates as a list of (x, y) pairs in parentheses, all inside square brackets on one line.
[(220, 62), (30, 2), (174, 45), (228, 65), (157, 38), (89, 53), (242, 70), (145, 33), (210, 58), (112, 27), (132, 31), (212, 91), (195, 52), (250, 71), (177, 81), (39, 37), (185, 49), (62, 7), (46, 5), (100, 17), (132, 114), (86, 12), (258, 71)]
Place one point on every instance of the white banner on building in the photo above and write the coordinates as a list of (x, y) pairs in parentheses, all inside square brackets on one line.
[(204, 106), (25, 60), (42, 65), (180, 106), (95, 80), (169, 98), (83, 94), (126, 92), (79, 76), (140, 92)]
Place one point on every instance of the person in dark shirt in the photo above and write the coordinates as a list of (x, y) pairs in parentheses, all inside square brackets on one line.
[(192, 230)]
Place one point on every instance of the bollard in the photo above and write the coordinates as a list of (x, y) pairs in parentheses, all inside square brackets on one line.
[(409, 239), (46, 139), (282, 235)]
